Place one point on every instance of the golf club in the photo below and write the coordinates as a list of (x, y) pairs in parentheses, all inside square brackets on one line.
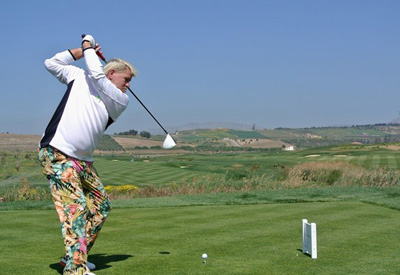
[(169, 142)]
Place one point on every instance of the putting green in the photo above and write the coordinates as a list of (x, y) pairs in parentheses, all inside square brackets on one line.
[(353, 238)]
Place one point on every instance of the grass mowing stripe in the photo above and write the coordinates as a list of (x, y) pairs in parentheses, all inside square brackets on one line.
[(141, 173), (376, 160), (209, 231), (398, 161), (244, 239), (369, 161), (362, 160), (349, 158), (391, 160), (384, 162)]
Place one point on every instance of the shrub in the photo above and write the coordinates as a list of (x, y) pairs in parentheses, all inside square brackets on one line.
[(122, 191), (23, 192), (340, 173)]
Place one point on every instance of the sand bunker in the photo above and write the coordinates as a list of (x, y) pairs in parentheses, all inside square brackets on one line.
[(312, 156)]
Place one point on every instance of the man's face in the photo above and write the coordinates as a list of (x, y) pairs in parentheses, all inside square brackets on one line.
[(120, 79)]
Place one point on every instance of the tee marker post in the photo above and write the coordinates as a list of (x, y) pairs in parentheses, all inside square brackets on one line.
[(310, 239)]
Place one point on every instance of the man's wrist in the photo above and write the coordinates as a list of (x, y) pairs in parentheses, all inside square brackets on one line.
[(86, 45)]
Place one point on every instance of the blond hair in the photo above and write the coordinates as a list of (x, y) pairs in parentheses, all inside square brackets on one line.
[(119, 65)]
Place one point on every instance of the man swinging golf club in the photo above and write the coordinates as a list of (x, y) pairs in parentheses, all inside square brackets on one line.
[(94, 99)]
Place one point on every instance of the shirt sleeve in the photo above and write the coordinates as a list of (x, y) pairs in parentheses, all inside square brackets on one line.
[(115, 100), (60, 67)]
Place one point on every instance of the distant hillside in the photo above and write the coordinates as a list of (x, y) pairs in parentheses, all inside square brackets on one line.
[(301, 137), (229, 139), (15, 142), (215, 125), (395, 121), (205, 125)]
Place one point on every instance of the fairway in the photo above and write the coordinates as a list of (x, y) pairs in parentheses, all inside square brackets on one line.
[(123, 169), (163, 171), (353, 238)]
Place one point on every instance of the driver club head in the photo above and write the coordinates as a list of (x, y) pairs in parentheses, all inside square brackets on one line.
[(169, 142)]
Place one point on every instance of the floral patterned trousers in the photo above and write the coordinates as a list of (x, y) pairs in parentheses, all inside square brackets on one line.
[(81, 202)]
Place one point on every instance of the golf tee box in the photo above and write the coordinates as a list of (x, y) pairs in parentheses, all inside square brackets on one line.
[(310, 239)]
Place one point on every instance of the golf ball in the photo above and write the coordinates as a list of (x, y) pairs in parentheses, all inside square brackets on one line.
[(204, 256)]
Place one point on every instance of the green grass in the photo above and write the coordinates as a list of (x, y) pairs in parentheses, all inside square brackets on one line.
[(252, 232), (353, 238), (139, 173), (166, 170), (163, 171), (29, 168), (382, 196)]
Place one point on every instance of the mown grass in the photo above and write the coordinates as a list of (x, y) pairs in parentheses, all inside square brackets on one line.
[(243, 210), (353, 238)]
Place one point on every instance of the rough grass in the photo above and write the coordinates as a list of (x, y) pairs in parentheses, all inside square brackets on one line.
[(340, 174), (24, 192)]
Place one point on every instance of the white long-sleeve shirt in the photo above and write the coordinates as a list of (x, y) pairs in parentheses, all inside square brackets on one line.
[(90, 104)]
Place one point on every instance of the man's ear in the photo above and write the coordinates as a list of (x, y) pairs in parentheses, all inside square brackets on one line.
[(110, 74)]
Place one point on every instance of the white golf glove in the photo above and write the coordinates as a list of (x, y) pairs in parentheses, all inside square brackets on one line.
[(89, 39)]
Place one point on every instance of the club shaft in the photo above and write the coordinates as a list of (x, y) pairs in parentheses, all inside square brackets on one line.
[(147, 110), (141, 103), (105, 61)]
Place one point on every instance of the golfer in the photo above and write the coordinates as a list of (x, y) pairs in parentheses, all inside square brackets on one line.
[(94, 99)]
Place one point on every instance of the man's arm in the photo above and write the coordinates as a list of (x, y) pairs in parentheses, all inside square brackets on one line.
[(78, 52), (114, 99), (59, 65)]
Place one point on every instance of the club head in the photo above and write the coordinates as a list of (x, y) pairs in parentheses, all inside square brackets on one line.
[(169, 142)]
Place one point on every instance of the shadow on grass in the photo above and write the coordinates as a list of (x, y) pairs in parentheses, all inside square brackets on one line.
[(101, 261), (304, 254)]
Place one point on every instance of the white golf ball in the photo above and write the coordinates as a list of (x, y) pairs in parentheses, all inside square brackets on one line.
[(204, 256)]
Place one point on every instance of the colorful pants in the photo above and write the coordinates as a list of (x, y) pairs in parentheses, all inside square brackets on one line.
[(81, 202)]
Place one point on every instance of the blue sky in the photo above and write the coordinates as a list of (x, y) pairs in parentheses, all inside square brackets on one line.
[(272, 63)]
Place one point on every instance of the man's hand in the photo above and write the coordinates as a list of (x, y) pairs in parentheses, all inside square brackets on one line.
[(87, 42), (97, 48), (88, 38)]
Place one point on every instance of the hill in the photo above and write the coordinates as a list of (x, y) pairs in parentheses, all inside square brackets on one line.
[(15, 142), (299, 137), (231, 139)]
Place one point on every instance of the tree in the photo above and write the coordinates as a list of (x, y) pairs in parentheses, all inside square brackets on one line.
[(130, 132), (145, 134)]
